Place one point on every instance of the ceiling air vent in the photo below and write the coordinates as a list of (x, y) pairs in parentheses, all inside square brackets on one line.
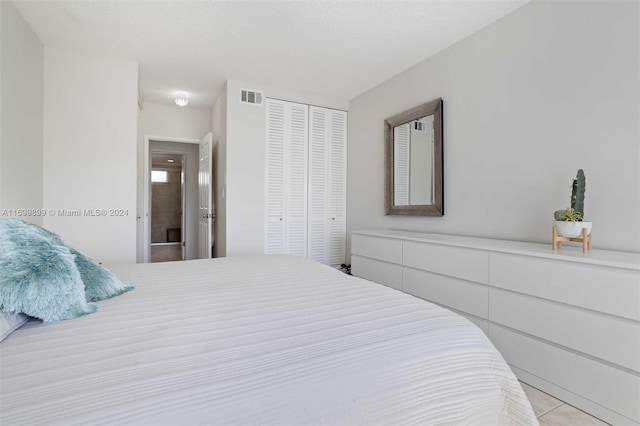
[(250, 97)]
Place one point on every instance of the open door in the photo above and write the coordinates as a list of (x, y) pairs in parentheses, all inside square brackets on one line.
[(205, 200)]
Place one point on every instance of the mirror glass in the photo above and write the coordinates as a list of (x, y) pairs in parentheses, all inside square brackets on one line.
[(413, 162)]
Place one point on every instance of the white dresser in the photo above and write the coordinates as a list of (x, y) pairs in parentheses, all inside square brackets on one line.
[(567, 323)]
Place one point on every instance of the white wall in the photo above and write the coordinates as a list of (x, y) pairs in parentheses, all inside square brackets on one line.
[(219, 130), (90, 125), (167, 121), (548, 89), (21, 114), (246, 124), (174, 121)]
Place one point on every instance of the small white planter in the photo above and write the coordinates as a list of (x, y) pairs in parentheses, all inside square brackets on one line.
[(572, 229)]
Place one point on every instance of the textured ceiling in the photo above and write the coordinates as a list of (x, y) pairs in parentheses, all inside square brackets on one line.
[(335, 48)]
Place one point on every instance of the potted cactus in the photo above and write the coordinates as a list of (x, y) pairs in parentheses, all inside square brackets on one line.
[(570, 221)]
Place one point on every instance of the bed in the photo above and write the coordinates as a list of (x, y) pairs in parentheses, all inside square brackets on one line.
[(263, 340)]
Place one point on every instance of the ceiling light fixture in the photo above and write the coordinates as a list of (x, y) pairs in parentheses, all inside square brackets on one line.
[(170, 160), (182, 98)]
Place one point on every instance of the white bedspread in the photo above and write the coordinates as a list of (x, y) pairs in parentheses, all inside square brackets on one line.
[(258, 340)]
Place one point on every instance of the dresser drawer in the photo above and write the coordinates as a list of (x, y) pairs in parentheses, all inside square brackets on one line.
[(377, 271), (614, 291), (605, 385), (461, 295), (613, 339), (468, 264), (387, 249)]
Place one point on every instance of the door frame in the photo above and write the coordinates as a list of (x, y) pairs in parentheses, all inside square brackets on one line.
[(146, 181)]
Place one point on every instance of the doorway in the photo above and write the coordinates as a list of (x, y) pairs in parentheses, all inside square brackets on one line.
[(171, 202), (168, 204)]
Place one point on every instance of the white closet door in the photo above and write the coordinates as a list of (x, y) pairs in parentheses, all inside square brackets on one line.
[(286, 178), (327, 185), (296, 142), (337, 186), (318, 191), (274, 241)]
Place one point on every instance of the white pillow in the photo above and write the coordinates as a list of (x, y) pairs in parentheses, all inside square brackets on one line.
[(10, 323)]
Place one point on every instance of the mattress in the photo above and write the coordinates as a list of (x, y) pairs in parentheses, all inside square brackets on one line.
[(268, 340)]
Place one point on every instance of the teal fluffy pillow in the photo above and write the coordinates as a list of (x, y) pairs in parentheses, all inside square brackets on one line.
[(38, 276), (99, 283)]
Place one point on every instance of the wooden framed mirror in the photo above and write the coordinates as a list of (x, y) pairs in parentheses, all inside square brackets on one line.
[(414, 160)]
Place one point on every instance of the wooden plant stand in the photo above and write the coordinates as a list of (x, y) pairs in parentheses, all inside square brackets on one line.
[(585, 240)]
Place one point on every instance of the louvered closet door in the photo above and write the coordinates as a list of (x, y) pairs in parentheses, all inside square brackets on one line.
[(337, 186), (274, 179), (318, 191), (286, 178), (327, 185), (297, 122)]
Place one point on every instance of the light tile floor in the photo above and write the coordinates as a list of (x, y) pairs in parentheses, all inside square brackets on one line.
[(553, 412)]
